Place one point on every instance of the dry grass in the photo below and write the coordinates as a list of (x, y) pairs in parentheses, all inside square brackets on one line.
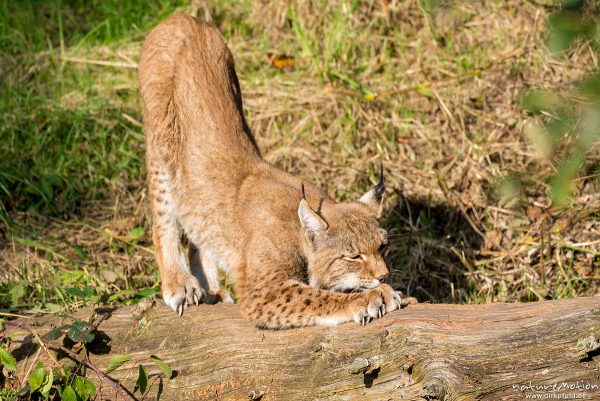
[(436, 97)]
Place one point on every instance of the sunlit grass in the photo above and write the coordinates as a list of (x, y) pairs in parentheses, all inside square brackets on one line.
[(434, 96)]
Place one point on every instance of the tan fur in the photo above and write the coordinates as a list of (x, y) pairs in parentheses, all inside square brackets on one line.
[(295, 262)]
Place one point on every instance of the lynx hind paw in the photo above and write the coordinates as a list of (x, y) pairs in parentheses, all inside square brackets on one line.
[(226, 298), (408, 301), (220, 296), (377, 302), (181, 292)]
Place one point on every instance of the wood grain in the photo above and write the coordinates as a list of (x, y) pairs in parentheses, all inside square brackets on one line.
[(443, 352)]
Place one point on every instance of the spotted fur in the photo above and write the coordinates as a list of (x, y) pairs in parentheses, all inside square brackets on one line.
[(297, 257)]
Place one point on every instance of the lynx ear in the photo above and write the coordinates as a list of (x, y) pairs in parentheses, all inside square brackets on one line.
[(374, 197), (313, 223)]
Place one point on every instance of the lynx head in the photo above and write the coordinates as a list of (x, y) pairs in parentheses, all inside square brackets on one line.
[(345, 245)]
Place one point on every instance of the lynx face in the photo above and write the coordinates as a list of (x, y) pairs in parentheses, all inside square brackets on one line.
[(350, 255), (346, 246)]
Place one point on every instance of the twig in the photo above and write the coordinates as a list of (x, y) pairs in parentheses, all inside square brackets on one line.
[(115, 385), (40, 341), (110, 233), (121, 391), (461, 207), (36, 245), (37, 355), (150, 386), (447, 111), (132, 120), (577, 247), (451, 79), (118, 64), (15, 315), (503, 211)]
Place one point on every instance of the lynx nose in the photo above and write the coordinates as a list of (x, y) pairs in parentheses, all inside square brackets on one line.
[(382, 278)]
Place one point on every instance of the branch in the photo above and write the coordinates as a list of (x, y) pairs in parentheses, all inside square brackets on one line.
[(121, 391)]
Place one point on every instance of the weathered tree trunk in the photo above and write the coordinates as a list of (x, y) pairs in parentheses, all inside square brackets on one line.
[(444, 352)]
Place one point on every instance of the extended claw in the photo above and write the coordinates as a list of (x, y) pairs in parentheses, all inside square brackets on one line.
[(196, 300), (180, 309), (398, 299)]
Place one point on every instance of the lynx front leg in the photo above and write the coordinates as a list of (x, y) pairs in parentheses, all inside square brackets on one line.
[(294, 304), (180, 288)]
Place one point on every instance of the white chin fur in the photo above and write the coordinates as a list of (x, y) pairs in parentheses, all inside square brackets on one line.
[(347, 282), (352, 281)]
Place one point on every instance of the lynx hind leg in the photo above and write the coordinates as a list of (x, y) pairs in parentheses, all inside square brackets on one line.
[(206, 270), (180, 288)]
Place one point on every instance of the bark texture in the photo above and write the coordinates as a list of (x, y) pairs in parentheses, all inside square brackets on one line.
[(435, 352)]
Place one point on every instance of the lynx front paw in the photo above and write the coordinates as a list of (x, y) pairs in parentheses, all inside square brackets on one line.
[(180, 291), (375, 303)]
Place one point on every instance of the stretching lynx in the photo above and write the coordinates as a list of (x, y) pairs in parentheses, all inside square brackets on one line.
[(297, 257)]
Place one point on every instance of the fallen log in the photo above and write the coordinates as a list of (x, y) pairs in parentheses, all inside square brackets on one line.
[(425, 351)]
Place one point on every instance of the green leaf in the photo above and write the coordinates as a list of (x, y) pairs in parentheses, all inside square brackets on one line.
[(84, 388), (47, 386), (24, 390), (86, 292), (80, 252), (561, 184), (16, 293), (46, 187), (146, 292), (142, 380), (8, 395), (537, 101), (163, 366), (53, 308), (90, 387), (114, 297), (6, 359), (81, 332), (36, 378), (566, 27), (116, 362), (109, 276), (56, 332), (1, 324), (69, 394), (135, 234)]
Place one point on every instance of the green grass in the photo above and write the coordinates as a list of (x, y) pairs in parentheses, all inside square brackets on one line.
[(62, 139), (365, 86), (65, 142)]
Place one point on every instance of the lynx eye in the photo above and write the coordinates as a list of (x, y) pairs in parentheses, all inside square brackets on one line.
[(355, 257)]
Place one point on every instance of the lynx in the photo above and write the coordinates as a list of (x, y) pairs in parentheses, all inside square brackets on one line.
[(297, 257)]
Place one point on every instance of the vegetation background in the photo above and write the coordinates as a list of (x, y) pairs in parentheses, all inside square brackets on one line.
[(484, 114)]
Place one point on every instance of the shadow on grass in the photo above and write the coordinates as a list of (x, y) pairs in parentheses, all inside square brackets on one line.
[(426, 242)]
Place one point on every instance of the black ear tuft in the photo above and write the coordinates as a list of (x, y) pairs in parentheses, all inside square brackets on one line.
[(379, 189), (374, 197)]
